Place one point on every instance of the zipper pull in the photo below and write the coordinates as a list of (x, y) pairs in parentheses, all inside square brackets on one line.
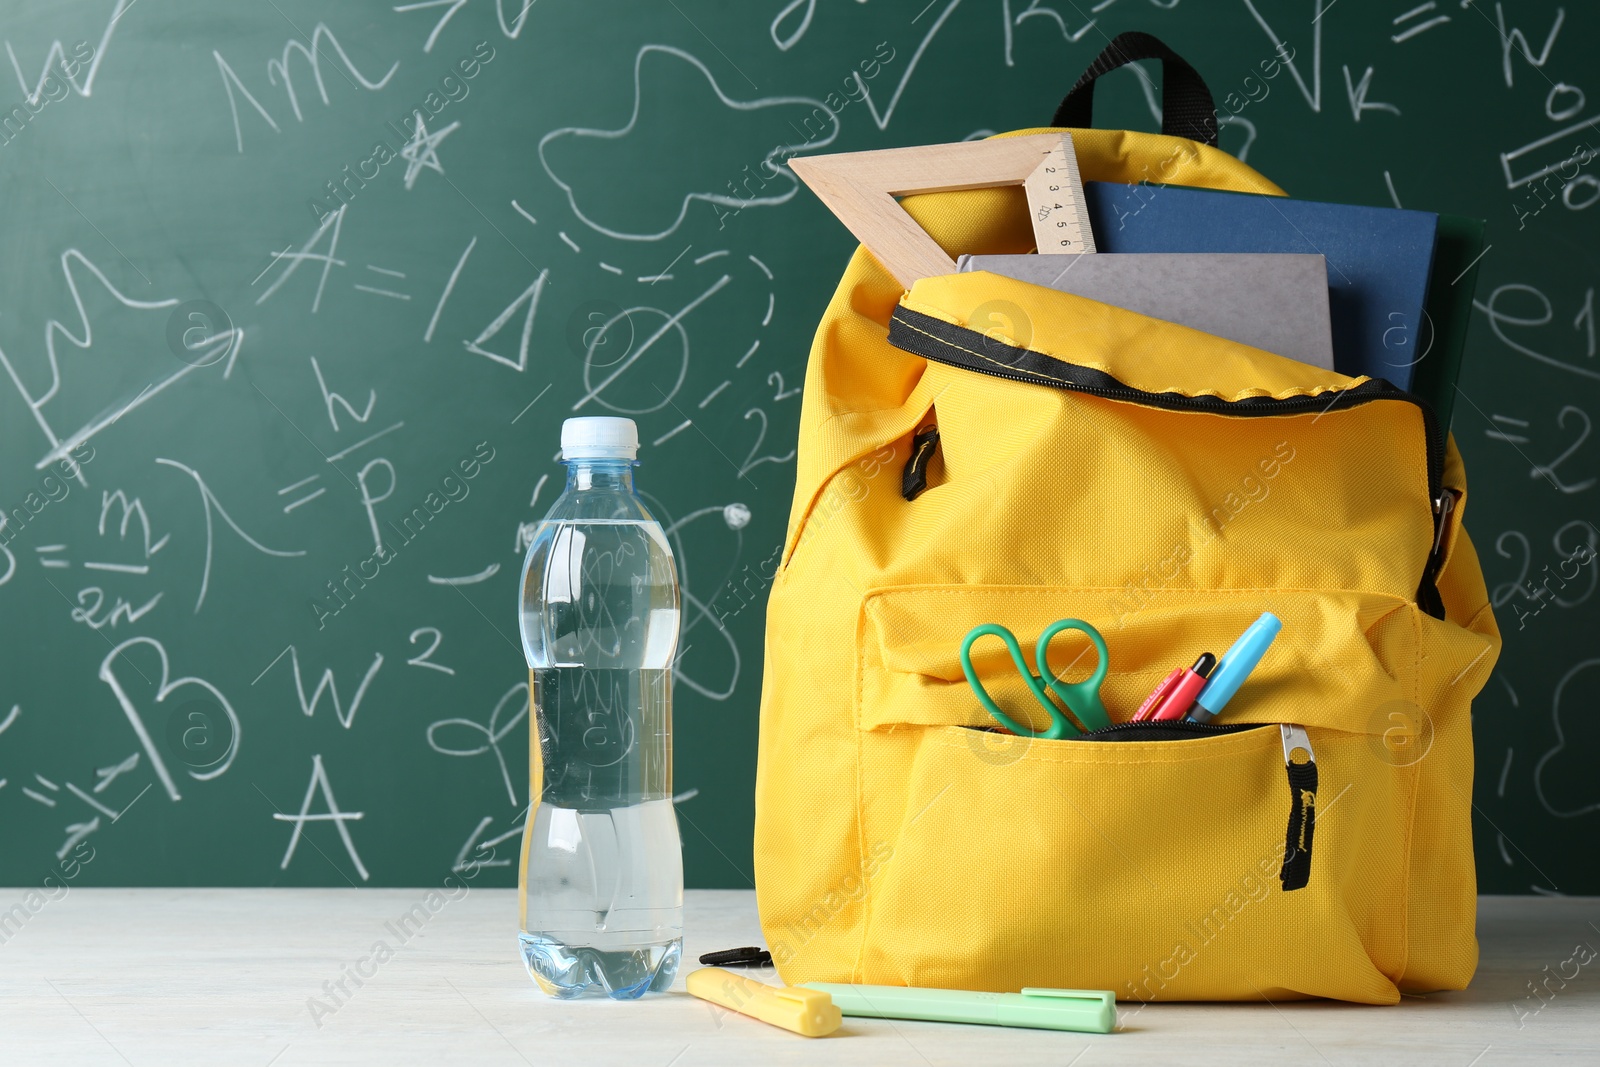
[(914, 478), (1296, 870), (1441, 518), (1428, 592)]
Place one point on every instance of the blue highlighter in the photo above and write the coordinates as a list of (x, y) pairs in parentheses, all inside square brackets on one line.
[(1234, 667)]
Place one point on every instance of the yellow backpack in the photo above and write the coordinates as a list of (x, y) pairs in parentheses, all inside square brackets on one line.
[(1167, 486)]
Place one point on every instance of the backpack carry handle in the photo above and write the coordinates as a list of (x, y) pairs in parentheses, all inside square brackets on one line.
[(1187, 109)]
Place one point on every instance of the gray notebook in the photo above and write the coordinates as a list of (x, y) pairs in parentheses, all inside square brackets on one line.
[(1277, 302)]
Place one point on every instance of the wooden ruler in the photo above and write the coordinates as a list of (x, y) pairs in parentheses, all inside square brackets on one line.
[(860, 188), (1056, 203)]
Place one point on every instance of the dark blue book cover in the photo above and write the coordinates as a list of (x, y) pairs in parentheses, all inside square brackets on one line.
[(1378, 258)]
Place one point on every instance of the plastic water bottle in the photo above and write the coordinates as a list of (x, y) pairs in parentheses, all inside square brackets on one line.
[(601, 884)]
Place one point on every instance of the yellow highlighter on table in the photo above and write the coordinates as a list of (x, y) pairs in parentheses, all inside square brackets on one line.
[(808, 1012)]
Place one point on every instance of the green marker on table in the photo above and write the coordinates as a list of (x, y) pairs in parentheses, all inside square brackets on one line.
[(1092, 1011)]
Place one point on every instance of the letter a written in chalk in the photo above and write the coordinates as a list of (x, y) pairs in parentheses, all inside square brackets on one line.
[(319, 780)]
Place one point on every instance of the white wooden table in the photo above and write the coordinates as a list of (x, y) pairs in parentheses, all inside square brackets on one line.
[(226, 976)]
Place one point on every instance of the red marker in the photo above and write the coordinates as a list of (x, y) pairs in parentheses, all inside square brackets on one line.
[(1160, 694), (1175, 695)]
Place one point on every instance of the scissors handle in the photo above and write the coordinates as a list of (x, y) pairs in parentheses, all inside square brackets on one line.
[(1081, 698), (1059, 725)]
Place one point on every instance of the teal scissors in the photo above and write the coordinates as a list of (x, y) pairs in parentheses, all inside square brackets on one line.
[(1081, 698)]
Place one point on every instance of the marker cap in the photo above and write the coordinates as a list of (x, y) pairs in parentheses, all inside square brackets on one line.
[(1236, 665), (806, 1012), (1092, 1011)]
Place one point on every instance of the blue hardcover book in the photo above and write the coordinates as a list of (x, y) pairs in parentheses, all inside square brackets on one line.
[(1378, 258)]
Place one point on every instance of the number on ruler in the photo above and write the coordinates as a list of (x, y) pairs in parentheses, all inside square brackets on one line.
[(1055, 191)]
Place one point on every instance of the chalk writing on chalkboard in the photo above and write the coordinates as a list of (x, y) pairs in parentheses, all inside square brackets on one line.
[(319, 784), (282, 267)]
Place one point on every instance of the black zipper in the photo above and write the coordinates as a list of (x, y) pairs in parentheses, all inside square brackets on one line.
[(935, 339), (1164, 730)]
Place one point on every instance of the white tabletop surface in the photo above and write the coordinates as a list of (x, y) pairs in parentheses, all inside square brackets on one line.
[(226, 976)]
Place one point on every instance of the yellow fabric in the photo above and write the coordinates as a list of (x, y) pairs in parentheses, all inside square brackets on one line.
[(896, 844)]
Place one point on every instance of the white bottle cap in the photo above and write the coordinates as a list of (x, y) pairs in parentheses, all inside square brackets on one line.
[(599, 437)]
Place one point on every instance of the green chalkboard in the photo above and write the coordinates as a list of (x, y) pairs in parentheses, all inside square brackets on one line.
[(283, 282)]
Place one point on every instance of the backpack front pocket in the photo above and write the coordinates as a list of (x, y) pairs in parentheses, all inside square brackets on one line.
[(1151, 866)]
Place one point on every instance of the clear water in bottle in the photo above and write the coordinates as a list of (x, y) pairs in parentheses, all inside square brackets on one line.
[(602, 878)]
